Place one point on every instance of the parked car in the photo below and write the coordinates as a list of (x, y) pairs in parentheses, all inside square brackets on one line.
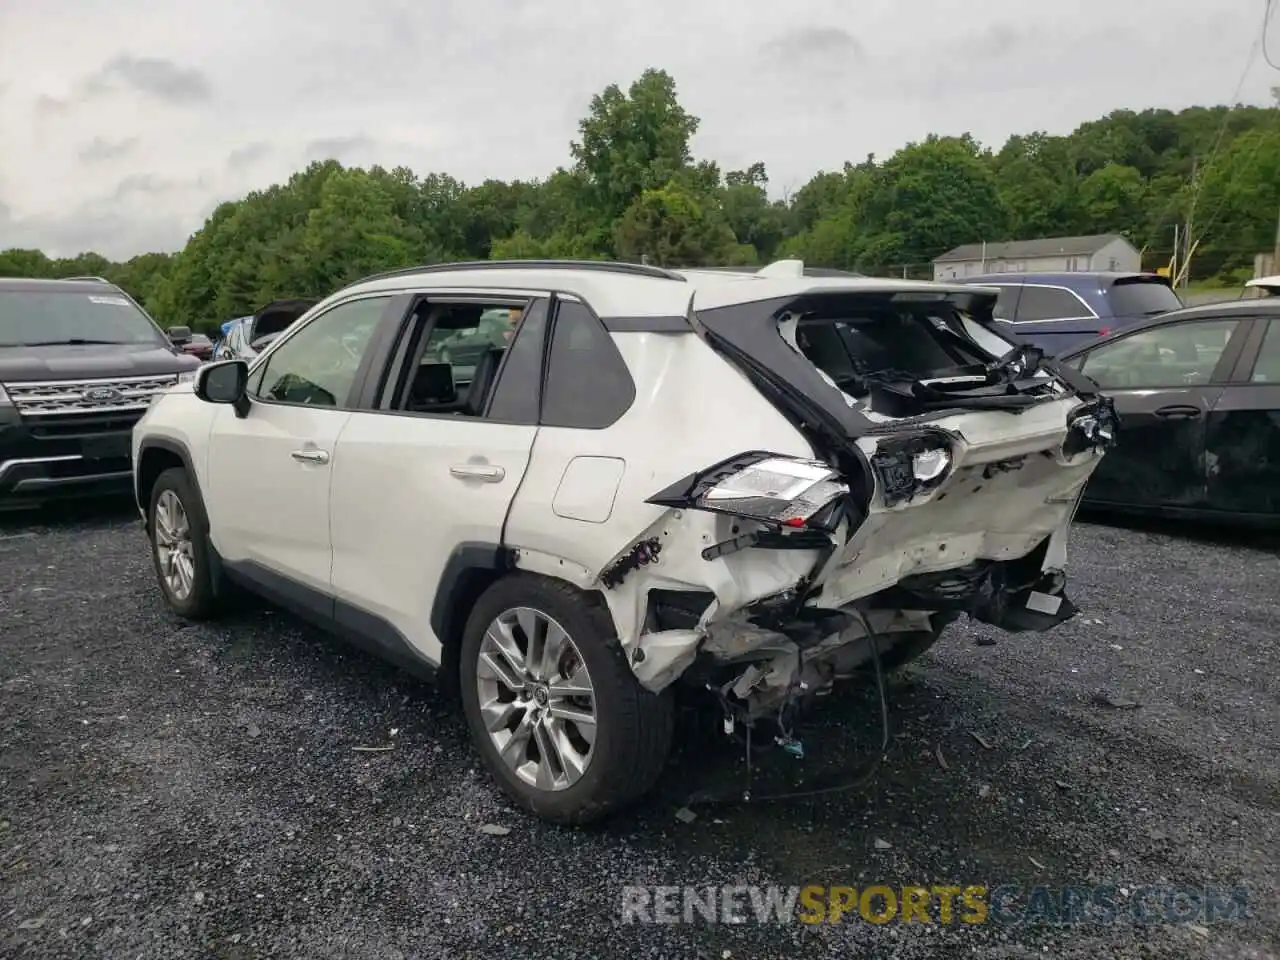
[(738, 485), (1261, 287), (1058, 311), (195, 344), (79, 363), (1198, 394), (245, 337)]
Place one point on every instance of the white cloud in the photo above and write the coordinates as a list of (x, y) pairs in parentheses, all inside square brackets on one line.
[(136, 116)]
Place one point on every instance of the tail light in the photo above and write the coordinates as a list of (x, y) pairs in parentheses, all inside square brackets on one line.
[(768, 488)]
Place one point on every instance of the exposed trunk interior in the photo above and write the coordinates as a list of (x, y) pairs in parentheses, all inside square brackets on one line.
[(899, 356)]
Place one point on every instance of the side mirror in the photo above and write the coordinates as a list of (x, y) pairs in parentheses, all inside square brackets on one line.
[(179, 334), (224, 382)]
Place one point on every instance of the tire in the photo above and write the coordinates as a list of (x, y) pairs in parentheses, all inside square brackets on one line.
[(911, 647), (633, 726), (201, 601)]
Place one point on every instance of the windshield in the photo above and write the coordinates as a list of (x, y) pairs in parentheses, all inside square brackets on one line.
[(1142, 296), (30, 317)]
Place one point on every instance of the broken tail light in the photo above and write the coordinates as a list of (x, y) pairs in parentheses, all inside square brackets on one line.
[(910, 466), (766, 487), (1094, 426)]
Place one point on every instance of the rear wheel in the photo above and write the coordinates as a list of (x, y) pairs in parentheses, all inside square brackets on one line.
[(552, 706), (180, 545)]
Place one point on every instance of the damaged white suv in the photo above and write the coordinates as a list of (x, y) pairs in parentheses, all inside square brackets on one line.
[(733, 481)]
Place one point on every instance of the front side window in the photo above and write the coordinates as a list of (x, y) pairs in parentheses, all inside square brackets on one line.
[(1049, 303), (1178, 355), (30, 318), (317, 366)]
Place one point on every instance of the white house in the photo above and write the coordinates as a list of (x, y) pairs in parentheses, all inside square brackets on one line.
[(1107, 251)]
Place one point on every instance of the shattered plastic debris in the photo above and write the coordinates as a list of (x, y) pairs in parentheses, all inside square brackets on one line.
[(942, 761), (883, 845), (685, 815), (1036, 863), (977, 736), (494, 830), (1116, 702)]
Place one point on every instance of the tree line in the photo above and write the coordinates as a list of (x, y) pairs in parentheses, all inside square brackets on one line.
[(634, 190)]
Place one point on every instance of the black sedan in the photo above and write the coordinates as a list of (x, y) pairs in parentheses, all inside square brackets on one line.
[(1198, 394)]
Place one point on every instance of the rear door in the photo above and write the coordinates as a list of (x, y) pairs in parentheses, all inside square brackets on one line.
[(428, 467), (1054, 318), (1164, 380), (1243, 433)]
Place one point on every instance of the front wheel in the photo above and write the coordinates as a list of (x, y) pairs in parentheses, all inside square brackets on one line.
[(552, 706), (179, 546)]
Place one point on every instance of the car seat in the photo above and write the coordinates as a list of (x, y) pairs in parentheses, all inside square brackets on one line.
[(432, 386)]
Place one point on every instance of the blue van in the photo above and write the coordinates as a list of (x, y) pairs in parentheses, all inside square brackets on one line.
[(1058, 311)]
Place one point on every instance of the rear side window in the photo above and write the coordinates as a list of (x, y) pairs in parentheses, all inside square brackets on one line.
[(1142, 297), (1049, 303), (588, 385)]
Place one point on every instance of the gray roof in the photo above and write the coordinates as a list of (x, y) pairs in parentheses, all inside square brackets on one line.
[(1019, 249)]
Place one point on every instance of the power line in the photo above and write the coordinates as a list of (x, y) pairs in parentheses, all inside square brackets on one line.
[(1199, 173), (1267, 14)]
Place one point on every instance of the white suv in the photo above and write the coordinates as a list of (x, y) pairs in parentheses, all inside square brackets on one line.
[(736, 482)]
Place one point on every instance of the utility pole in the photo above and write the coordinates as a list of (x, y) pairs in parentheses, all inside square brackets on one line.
[(1188, 246)]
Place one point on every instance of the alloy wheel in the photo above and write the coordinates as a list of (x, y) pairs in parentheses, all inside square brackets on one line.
[(536, 699), (175, 553)]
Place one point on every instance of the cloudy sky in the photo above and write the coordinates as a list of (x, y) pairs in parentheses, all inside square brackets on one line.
[(124, 122)]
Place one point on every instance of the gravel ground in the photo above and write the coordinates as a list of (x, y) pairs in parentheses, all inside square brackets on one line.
[(169, 790)]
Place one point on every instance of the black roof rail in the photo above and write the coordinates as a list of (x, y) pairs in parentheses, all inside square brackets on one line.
[(95, 279), (603, 266)]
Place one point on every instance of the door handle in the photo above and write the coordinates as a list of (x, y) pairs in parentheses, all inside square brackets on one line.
[(478, 471), (1178, 411), (310, 456)]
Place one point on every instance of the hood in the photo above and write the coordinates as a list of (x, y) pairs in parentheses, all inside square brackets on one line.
[(91, 361)]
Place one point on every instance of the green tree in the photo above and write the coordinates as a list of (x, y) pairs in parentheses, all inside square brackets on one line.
[(633, 142), (1112, 198), (674, 226)]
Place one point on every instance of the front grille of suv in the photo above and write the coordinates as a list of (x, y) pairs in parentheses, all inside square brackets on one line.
[(52, 398)]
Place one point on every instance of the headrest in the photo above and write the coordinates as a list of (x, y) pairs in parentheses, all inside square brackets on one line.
[(433, 383)]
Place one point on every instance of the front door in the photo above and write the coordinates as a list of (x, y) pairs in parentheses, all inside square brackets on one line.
[(268, 474), (1165, 381), (1243, 435)]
